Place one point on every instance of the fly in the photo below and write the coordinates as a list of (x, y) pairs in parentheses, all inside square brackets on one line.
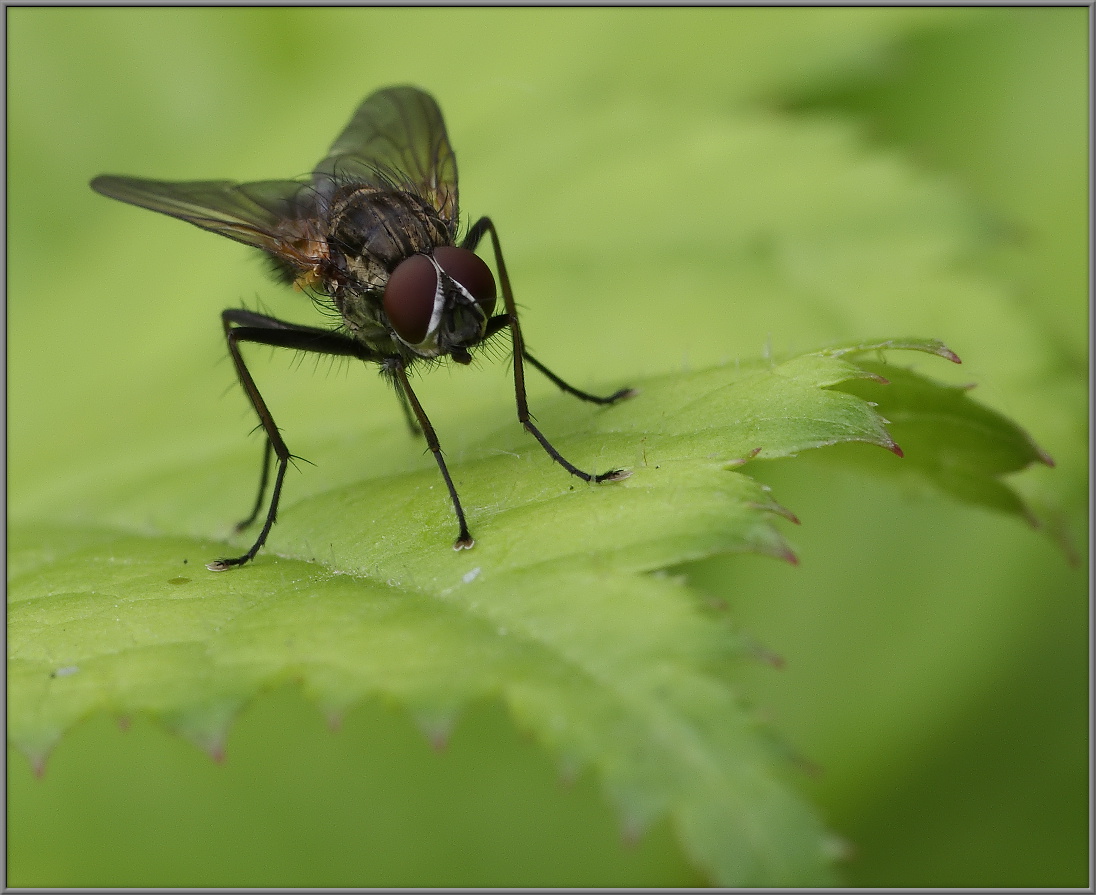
[(373, 232)]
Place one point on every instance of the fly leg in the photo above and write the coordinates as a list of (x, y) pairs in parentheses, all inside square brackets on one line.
[(396, 368), (621, 395), (408, 414), (475, 234), (247, 326), (264, 479)]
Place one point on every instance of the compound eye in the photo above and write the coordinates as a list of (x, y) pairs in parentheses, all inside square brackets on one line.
[(472, 272), (409, 298)]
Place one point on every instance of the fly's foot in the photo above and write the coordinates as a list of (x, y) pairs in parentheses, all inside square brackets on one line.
[(223, 565)]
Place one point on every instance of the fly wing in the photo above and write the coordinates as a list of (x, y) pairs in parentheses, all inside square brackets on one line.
[(268, 214), (396, 139)]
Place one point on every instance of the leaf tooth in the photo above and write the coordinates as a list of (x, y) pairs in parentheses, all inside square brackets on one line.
[(213, 743), (636, 811), (569, 768), (437, 726), (333, 709), (38, 751), (632, 828), (207, 727), (837, 848), (38, 763), (767, 541), (771, 506), (764, 654), (742, 461)]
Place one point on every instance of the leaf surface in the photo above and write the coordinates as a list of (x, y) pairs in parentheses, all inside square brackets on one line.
[(560, 610)]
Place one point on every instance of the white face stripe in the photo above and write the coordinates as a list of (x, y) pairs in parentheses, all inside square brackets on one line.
[(439, 298), (439, 302)]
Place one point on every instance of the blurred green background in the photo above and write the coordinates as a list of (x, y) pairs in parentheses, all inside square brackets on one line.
[(937, 655)]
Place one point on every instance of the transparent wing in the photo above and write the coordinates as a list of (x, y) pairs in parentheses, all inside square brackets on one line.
[(268, 214), (396, 138)]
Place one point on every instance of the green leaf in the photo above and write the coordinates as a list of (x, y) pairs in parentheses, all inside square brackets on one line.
[(963, 447), (552, 612), (958, 445), (651, 210)]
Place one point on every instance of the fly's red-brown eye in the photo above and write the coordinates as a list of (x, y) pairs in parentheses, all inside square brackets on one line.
[(472, 272), (409, 298)]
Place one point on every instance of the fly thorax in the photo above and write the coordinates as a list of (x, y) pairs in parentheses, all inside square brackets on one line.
[(362, 317)]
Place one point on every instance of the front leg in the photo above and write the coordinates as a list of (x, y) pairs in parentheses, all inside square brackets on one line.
[(247, 326), (621, 395), (397, 369), (475, 234)]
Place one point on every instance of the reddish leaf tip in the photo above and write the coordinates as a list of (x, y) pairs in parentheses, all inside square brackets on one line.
[(568, 775), (742, 461), (437, 732), (785, 513), (776, 509), (631, 832), (810, 768), (838, 849), (895, 449), (763, 654)]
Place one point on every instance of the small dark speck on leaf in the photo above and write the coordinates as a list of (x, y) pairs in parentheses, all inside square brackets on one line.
[(65, 672)]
